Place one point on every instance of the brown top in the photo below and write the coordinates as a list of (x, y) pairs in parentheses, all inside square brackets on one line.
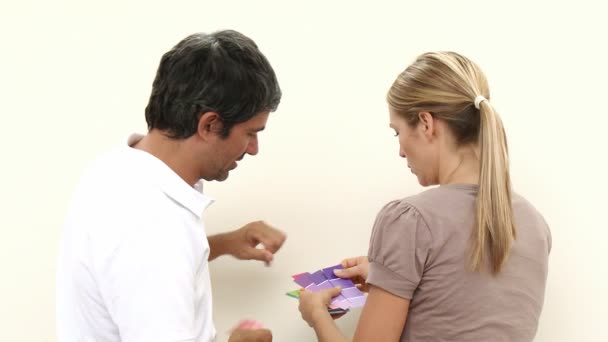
[(419, 251)]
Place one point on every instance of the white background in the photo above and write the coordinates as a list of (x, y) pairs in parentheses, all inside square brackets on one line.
[(75, 77)]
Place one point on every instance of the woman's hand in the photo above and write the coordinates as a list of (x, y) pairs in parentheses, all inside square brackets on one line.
[(355, 269), (313, 305)]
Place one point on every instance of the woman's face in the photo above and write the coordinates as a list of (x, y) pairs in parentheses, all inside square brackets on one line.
[(416, 145)]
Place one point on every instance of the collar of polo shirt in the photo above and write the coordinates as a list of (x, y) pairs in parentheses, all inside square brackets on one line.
[(160, 174)]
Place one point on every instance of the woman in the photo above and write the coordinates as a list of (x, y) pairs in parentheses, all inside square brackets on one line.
[(464, 261)]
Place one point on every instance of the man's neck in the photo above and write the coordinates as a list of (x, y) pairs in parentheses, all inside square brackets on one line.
[(172, 152)]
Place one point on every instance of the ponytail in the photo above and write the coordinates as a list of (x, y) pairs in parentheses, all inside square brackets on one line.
[(494, 229)]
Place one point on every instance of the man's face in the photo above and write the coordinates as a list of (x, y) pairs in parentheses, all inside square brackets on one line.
[(243, 139)]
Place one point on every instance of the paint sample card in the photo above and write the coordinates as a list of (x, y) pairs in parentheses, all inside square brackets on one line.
[(323, 279), (335, 307)]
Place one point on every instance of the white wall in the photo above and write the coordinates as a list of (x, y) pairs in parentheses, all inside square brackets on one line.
[(75, 77)]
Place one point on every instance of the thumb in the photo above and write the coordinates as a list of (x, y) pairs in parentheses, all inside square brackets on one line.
[(331, 293), (260, 254), (335, 291), (348, 272)]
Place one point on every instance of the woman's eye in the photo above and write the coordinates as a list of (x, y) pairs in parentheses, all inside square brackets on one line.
[(396, 133)]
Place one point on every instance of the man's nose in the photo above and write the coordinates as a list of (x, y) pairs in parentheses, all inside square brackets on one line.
[(253, 147)]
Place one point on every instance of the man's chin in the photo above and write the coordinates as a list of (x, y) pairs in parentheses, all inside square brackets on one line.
[(218, 178), (222, 177)]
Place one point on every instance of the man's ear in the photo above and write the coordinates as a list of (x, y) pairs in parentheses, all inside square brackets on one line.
[(427, 123), (209, 125)]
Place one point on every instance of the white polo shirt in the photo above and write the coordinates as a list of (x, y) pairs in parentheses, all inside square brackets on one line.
[(133, 260)]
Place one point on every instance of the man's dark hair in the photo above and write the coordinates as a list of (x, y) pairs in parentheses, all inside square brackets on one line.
[(222, 72)]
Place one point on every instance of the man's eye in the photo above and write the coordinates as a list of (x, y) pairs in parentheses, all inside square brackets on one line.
[(396, 133)]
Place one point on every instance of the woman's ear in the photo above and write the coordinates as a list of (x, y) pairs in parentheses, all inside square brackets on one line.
[(427, 123)]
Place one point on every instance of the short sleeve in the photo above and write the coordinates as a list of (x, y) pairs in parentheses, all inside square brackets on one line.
[(398, 249), (549, 239)]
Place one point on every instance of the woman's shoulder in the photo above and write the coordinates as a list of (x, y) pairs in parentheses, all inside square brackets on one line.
[(411, 207), (438, 197)]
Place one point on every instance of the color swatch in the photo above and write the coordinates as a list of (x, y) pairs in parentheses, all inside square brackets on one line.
[(349, 297)]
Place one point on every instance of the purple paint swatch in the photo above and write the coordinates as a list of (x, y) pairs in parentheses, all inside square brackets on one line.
[(329, 271), (357, 301), (337, 299), (304, 280), (326, 285), (351, 292), (318, 277), (343, 283)]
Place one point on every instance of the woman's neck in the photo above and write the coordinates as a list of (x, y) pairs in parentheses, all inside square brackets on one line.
[(459, 166)]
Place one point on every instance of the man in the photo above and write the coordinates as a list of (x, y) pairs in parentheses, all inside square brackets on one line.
[(133, 263)]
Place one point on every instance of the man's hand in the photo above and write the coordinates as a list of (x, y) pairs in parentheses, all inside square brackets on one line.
[(253, 234), (250, 335), (243, 243), (356, 270)]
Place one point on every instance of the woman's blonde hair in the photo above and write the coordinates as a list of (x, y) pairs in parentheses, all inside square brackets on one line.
[(446, 85)]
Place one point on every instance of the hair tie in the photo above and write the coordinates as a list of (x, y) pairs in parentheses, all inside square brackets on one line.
[(478, 100)]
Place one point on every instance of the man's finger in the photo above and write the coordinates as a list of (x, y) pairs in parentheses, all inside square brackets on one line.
[(272, 242), (270, 237), (259, 254)]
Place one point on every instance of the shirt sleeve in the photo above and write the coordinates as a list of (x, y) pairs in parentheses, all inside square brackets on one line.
[(398, 250), (549, 240), (148, 284)]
